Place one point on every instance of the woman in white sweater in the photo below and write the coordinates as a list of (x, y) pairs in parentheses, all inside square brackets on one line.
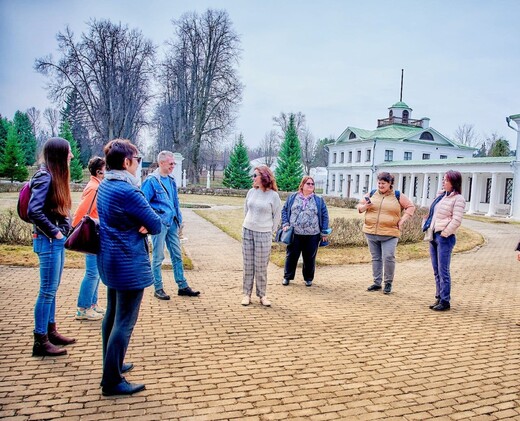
[(262, 209), (444, 219)]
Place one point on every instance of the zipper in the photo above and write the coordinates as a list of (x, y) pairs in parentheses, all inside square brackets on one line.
[(379, 213)]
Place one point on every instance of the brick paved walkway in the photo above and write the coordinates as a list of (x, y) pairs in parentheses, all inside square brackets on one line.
[(333, 351)]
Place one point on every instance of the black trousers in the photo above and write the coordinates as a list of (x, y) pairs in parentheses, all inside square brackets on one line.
[(307, 246)]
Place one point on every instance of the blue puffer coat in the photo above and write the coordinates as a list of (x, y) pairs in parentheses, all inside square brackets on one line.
[(123, 259)]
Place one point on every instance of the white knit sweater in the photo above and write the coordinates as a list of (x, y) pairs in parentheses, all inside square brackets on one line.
[(262, 210)]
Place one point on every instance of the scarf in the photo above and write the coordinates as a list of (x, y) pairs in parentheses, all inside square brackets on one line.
[(305, 200), (122, 175)]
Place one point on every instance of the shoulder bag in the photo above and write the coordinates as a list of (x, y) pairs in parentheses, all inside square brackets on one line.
[(84, 237)]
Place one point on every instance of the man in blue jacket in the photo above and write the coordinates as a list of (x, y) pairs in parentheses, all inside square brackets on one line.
[(160, 190)]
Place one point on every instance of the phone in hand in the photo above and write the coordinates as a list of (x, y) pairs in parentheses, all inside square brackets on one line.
[(367, 199)]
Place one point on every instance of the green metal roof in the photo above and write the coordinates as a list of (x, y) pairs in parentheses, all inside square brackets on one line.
[(451, 161), (514, 116), (400, 104)]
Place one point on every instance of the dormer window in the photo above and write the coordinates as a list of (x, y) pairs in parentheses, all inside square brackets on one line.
[(405, 116), (352, 135), (426, 136), (391, 114)]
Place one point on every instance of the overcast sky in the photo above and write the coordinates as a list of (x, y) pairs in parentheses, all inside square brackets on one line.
[(337, 61)]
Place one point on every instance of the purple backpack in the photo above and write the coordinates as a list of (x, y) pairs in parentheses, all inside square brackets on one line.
[(23, 202)]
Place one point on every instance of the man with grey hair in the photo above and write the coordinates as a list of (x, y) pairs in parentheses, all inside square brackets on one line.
[(160, 190)]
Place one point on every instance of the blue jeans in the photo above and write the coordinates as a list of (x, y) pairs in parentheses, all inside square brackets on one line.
[(170, 236), (51, 254), (440, 253), (118, 324), (382, 249), (88, 291)]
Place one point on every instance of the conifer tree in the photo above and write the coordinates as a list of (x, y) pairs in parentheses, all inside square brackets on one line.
[(4, 126), (13, 159), (236, 174), (289, 170), (76, 170), (26, 136)]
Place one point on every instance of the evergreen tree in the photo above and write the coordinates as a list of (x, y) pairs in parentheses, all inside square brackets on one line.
[(499, 147), (76, 170), (4, 126), (13, 159), (74, 113), (236, 174), (289, 170), (26, 136)]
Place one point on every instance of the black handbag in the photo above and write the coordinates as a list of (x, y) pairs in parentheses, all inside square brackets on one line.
[(84, 237), (285, 237)]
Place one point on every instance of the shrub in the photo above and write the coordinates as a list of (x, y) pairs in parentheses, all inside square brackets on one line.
[(13, 230)]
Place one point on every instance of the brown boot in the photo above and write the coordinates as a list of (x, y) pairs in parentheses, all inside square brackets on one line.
[(43, 348), (56, 338)]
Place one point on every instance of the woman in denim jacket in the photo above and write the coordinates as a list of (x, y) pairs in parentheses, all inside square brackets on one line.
[(308, 215)]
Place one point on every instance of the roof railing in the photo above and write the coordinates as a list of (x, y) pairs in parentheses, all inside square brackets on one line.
[(399, 120)]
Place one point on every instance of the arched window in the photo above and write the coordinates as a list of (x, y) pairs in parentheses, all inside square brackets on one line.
[(390, 114), (405, 116), (426, 136), (352, 135)]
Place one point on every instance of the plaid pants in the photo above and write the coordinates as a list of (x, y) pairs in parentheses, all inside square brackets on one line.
[(256, 250)]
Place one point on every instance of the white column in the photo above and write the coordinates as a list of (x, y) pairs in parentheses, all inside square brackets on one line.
[(515, 201), (473, 204), (208, 181), (440, 176), (183, 178), (494, 195), (424, 198)]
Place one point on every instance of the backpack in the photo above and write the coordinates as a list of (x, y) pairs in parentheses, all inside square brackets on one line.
[(397, 194), (22, 206)]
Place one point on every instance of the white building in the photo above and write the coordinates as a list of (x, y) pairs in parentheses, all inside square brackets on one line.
[(418, 156)]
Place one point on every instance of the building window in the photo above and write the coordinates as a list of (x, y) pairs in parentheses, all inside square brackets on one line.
[(367, 183), (368, 155), (340, 184), (390, 113), (428, 188), (444, 157), (403, 187), (356, 187), (358, 156), (407, 156), (342, 157), (470, 187), (389, 155), (334, 155), (488, 190), (333, 182), (509, 191), (425, 156), (352, 135), (350, 156), (405, 116), (426, 136), (415, 183)]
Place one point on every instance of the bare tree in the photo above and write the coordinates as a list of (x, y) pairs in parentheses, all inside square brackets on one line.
[(110, 69), (52, 117), (282, 121), (270, 146), (466, 135), (307, 143), (34, 118), (201, 87)]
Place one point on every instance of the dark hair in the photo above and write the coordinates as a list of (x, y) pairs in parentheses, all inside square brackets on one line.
[(304, 180), (267, 177), (386, 176), (455, 178), (55, 156), (116, 151), (96, 164)]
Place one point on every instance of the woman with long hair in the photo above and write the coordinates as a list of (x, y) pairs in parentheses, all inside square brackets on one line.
[(88, 308), (262, 209), (49, 211), (444, 220), (308, 215)]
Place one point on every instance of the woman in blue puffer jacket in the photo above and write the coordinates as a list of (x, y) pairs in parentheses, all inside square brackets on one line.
[(125, 219)]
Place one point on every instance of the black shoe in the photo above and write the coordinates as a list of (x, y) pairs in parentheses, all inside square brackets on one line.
[(285, 282), (126, 367), (374, 287), (123, 388), (188, 292), (441, 307), (388, 288), (308, 283), (437, 302), (161, 295)]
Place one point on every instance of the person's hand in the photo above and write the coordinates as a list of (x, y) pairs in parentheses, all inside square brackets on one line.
[(143, 230), (58, 236), (285, 228), (518, 256), (324, 238)]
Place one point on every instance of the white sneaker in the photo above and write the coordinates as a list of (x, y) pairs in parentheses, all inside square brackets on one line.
[(98, 309), (265, 302), (246, 300), (88, 314)]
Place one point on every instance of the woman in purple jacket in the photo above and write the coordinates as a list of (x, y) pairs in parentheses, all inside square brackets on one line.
[(125, 219)]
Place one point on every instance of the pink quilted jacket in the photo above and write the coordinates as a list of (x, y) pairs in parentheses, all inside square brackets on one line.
[(448, 214)]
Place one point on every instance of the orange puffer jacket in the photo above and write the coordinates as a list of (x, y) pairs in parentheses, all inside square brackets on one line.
[(383, 216)]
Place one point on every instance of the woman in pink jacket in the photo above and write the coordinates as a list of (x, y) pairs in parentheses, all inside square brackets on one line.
[(444, 219)]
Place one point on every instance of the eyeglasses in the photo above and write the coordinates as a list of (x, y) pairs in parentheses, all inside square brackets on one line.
[(138, 158), (310, 184)]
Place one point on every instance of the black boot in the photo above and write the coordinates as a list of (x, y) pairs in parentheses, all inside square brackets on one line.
[(42, 347), (56, 338)]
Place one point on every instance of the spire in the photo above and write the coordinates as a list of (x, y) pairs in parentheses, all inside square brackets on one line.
[(401, 96)]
